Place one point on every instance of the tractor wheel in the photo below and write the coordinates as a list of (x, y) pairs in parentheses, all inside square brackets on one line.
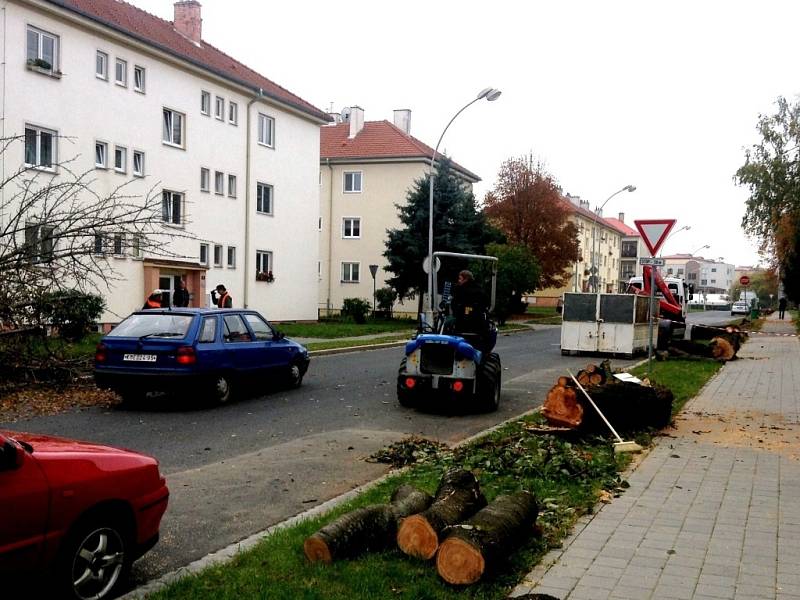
[(487, 396), (404, 397)]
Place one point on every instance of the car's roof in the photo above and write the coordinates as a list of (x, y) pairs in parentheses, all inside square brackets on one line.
[(193, 311)]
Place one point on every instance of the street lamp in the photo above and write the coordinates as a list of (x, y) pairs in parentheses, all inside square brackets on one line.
[(597, 211), (700, 248), (490, 94)]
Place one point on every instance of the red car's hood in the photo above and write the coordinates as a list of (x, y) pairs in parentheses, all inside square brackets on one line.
[(49, 444)]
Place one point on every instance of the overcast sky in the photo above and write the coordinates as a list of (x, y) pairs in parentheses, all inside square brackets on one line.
[(605, 93)]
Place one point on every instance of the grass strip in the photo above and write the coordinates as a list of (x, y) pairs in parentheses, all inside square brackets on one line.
[(333, 344), (337, 329)]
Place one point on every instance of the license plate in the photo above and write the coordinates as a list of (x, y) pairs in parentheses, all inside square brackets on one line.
[(140, 357)]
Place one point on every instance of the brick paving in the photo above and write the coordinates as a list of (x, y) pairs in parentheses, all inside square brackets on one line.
[(713, 511)]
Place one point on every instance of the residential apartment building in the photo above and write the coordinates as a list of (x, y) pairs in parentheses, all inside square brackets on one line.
[(708, 276), (140, 100), (367, 169), (632, 246)]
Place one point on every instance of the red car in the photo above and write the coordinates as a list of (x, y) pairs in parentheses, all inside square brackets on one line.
[(80, 512)]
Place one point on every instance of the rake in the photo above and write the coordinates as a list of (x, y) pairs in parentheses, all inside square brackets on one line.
[(620, 445)]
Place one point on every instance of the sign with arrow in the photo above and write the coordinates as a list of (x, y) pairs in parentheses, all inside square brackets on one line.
[(654, 232)]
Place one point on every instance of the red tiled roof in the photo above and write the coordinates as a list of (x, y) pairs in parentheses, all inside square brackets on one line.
[(377, 139), (161, 34), (621, 227)]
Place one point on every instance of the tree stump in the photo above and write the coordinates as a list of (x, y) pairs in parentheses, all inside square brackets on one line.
[(479, 544), (365, 529), (561, 407), (457, 498)]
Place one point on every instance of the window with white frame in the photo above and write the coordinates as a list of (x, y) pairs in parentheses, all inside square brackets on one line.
[(217, 255), (173, 127), (138, 163), (219, 182), (101, 155), (266, 130), (119, 244), (263, 261), (138, 78), (352, 182), (121, 72), (99, 245), (172, 207), (101, 66), (233, 113), (120, 159), (42, 49), (264, 198), (205, 176), (351, 227), (205, 103), (136, 246), (232, 186), (219, 108), (39, 242), (40, 147), (203, 259), (231, 257), (350, 272)]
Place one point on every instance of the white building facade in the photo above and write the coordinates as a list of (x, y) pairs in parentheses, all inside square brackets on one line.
[(140, 101)]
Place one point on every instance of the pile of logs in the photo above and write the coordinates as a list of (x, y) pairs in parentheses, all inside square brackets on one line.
[(468, 536), (628, 406), (723, 346)]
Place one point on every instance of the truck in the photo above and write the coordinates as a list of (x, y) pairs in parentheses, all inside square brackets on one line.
[(673, 301)]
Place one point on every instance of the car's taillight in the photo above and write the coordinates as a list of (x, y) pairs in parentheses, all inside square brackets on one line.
[(100, 353), (186, 356), (458, 386), (410, 382)]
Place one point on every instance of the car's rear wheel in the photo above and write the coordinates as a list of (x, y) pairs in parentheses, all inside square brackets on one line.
[(222, 388)]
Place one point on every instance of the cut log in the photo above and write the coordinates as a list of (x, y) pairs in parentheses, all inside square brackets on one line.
[(722, 349), (582, 377), (591, 368), (596, 379), (628, 407), (457, 498), (365, 529), (733, 335), (479, 544), (561, 407), (563, 381)]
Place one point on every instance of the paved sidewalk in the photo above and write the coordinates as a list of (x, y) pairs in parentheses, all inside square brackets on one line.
[(713, 511)]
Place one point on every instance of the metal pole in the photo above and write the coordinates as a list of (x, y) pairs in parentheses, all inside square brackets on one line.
[(652, 318)]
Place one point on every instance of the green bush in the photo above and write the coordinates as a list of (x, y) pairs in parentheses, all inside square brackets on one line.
[(356, 308), (71, 312), (385, 298)]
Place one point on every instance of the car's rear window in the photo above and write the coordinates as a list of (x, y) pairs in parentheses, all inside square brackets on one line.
[(157, 325)]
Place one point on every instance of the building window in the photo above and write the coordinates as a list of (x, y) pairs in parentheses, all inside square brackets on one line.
[(203, 254), (352, 182), (319, 223), (101, 66), (39, 242), (173, 128), (350, 272), (136, 246), (219, 108), (205, 176), (680, 272), (138, 163), (219, 183), (232, 186), (205, 103), (263, 262), (138, 78), (40, 147), (233, 113), (266, 130), (42, 49), (217, 255), (121, 72), (264, 198), (119, 244), (171, 207), (120, 159), (231, 257), (101, 155), (351, 227)]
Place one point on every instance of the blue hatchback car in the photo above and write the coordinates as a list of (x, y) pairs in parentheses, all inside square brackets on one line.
[(205, 351)]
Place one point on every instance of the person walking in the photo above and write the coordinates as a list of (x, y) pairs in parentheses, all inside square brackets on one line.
[(781, 307), (224, 300), (180, 297), (153, 300)]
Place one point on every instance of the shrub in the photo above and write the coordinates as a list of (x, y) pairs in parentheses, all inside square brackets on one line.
[(356, 308), (71, 312), (385, 298)]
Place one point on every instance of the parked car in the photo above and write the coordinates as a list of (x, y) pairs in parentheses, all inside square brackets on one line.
[(739, 308), (199, 351), (78, 512)]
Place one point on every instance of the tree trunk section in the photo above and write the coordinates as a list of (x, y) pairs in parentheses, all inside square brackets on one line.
[(365, 529), (479, 544), (627, 406), (458, 497), (561, 407)]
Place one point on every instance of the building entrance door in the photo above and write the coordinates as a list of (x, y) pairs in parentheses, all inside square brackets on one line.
[(168, 283)]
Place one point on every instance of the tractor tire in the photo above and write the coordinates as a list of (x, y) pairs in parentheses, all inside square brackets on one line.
[(404, 397), (487, 396)]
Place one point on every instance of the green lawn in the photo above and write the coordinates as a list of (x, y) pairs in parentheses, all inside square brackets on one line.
[(683, 377), (542, 311), (336, 329)]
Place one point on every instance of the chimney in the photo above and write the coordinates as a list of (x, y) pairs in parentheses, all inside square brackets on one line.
[(337, 118), (356, 121), (187, 19), (402, 119), (621, 217)]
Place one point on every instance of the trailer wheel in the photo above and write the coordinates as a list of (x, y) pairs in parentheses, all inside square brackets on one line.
[(488, 393), (405, 397)]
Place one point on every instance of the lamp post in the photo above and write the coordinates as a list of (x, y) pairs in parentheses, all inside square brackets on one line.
[(490, 94), (700, 248), (594, 270)]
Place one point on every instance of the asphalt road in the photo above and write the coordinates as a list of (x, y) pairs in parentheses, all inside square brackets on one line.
[(237, 469), (712, 317)]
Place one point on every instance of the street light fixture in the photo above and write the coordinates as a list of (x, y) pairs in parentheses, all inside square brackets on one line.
[(700, 248), (597, 211), (490, 94), (684, 228)]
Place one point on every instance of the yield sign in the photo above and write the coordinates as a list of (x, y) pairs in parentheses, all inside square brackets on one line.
[(654, 232)]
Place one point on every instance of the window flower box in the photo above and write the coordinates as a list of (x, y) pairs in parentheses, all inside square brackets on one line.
[(42, 66), (265, 276)]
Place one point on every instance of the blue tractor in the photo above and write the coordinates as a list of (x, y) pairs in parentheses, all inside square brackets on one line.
[(452, 357)]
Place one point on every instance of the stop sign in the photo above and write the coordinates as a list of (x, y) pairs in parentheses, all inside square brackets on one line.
[(744, 280)]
